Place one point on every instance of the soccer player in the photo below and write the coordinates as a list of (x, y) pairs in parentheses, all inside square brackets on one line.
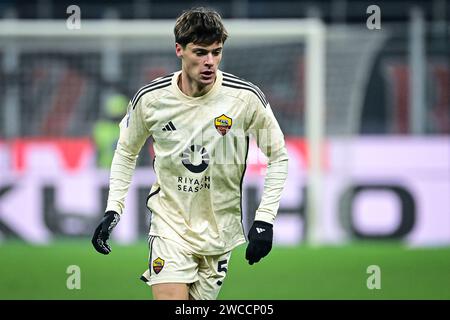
[(200, 119)]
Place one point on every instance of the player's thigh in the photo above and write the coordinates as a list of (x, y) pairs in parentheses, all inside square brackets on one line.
[(172, 268), (212, 271), (170, 291)]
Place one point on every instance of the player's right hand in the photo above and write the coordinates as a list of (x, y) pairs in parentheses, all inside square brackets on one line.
[(103, 231)]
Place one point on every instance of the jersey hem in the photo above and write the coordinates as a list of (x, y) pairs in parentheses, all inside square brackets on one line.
[(203, 253)]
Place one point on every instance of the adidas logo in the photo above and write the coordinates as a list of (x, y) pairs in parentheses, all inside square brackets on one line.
[(259, 230), (169, 127)]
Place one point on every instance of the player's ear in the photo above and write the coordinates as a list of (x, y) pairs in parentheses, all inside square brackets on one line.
[(179, 50)]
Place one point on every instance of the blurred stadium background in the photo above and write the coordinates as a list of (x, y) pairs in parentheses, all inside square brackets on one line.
[(369, 179)]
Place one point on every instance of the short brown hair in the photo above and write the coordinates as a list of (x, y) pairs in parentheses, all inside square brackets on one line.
[(200, 26)]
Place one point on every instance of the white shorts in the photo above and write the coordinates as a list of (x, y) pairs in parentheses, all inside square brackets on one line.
[(170, 262)]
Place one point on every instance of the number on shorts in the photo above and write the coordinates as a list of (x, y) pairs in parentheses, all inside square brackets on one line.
[(222, 266)]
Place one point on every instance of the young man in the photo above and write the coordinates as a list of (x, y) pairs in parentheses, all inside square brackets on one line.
[(200, 120)]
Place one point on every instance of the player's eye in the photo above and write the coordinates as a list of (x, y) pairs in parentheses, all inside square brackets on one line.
[(200, 53)]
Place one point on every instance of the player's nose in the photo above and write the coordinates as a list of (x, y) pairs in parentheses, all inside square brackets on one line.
[(209, 61)]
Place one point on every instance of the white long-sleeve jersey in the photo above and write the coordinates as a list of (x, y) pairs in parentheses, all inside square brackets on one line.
[(201, 145)]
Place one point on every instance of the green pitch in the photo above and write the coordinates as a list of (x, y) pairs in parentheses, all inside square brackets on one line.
[(39, 272)]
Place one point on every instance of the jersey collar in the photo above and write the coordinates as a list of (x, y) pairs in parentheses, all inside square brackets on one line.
[(210, 93)]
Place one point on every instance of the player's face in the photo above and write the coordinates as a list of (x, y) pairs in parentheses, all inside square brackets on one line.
[(200, 62)]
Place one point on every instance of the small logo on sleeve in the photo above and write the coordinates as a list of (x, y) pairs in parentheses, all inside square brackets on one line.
[(223, 124), (158, 264)]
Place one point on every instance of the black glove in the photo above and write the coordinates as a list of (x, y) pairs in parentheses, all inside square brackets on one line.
[(260, 241), (101, 234)]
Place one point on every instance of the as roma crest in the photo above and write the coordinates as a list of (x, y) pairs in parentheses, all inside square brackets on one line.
[(223, 124), (158, 264)]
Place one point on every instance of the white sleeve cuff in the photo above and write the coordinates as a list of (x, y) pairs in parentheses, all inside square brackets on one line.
[(264, 216)]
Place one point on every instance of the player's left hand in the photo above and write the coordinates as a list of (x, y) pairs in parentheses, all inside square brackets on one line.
[(260, 239), (103, 231)]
